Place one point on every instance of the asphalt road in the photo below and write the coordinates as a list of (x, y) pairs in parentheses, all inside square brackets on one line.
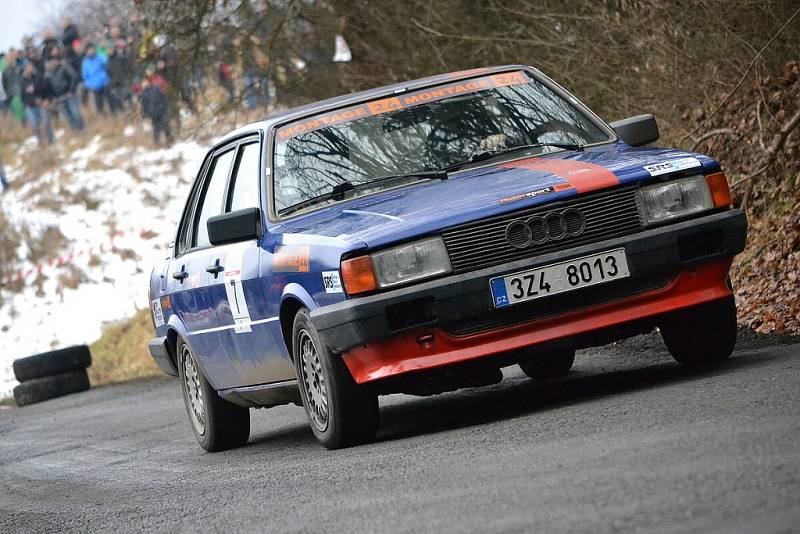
[(629, 441)]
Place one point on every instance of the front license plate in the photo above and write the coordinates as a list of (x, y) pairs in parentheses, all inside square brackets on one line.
[(559, 278)]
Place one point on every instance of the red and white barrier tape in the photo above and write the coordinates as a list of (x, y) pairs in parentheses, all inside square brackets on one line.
[(69, 257)]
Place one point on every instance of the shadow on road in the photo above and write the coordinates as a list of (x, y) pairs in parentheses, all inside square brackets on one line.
[(514, 397), (520, 396)]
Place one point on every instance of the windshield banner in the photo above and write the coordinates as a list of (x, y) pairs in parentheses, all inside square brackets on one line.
[(394, 103)]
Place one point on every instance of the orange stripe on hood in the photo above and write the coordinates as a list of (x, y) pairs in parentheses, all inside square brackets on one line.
[(582, 176)]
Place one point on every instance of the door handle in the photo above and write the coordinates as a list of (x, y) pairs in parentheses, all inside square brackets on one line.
[(180, 275), (214, 269)]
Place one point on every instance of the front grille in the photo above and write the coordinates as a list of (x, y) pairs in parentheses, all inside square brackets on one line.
[(484, 243)]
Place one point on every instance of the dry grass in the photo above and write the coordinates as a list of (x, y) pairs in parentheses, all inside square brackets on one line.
[(121, 352)]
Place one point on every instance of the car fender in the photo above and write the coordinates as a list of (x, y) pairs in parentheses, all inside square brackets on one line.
[(176, 324), (298, 292)]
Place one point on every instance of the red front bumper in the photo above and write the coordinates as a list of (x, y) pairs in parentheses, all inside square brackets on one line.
[(403, 353)]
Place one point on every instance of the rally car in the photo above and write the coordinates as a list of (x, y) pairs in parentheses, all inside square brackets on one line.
[(419, 237)]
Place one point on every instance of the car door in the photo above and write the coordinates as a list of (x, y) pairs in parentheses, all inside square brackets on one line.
[(254, 341), (191, 272)]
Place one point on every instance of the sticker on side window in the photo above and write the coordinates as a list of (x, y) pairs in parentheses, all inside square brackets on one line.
[(331, 281), (672, 166)]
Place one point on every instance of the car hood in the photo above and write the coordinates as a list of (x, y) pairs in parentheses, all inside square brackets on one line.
[(406, 212)]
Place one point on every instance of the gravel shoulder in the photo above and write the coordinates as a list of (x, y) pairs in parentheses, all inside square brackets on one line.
[(629, 441)]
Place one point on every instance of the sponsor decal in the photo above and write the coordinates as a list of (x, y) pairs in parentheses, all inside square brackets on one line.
[(530, 194), (394, 103), (332, 282), (158, 315), (535, 193), (584, 177), (234, 290), (672, 166), (289, 259)]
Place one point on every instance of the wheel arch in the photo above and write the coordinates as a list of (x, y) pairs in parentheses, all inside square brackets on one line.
[(294, 298), (175, 330)]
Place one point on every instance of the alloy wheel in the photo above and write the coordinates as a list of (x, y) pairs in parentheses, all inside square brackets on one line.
[(193, 391), (313, 381)]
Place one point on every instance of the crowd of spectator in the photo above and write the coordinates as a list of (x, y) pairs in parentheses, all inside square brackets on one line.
[(56, 78), (122, 68), (69, 77)]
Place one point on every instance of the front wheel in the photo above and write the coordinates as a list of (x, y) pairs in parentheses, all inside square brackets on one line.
[(702, 335), (340, 412), (217, 424)]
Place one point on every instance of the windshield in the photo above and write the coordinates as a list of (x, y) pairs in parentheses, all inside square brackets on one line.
[(417, 132)]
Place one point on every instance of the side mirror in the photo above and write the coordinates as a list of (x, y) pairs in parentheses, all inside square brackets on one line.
[(637, 131), (239, 225)]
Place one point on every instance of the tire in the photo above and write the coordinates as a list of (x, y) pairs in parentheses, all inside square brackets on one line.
[(552, 364), (217, 424), (51, 363), (49, 387), (702, 335), (340, 412)]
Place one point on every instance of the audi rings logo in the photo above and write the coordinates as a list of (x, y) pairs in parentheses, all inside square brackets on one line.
[(540, 229)]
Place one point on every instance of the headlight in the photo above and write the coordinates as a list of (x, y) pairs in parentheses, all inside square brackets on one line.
[(412, 261), (670, 200), (395, 266)]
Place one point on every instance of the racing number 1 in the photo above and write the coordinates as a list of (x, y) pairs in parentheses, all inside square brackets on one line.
[(235, 297)]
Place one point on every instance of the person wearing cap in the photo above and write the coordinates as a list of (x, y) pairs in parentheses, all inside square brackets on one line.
[(95, 76)]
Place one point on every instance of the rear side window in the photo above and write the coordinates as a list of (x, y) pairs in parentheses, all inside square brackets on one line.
[(248, 175), (211, 202)]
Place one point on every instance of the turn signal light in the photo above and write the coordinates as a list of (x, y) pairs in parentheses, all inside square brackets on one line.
[(358, 275), (720, 192)]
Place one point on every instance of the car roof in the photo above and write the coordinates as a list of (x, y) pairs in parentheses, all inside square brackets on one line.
[(360, 96)]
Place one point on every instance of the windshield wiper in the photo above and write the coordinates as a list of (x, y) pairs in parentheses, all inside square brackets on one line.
[(339, 190), (489, 154)]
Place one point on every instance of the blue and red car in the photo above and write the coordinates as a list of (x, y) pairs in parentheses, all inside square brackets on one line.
[(419, 237)]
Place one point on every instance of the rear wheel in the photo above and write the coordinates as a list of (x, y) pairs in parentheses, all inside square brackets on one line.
[(217, 424), (340, 412), (702, 335), (551, 364)]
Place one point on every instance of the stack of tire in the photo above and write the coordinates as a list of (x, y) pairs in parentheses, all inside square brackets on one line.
[(51, 374)]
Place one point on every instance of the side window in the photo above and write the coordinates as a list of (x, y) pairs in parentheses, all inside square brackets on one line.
[(213, 196), (248, 175), (183, 243)]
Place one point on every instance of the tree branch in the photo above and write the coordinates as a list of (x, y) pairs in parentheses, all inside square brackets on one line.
[(741, 80), (712, 133), (774, 147)]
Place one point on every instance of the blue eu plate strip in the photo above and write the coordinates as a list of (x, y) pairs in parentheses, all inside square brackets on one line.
[(499, 294)]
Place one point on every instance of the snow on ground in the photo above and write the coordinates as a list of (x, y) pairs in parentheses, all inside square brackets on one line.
[(129, 201)]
